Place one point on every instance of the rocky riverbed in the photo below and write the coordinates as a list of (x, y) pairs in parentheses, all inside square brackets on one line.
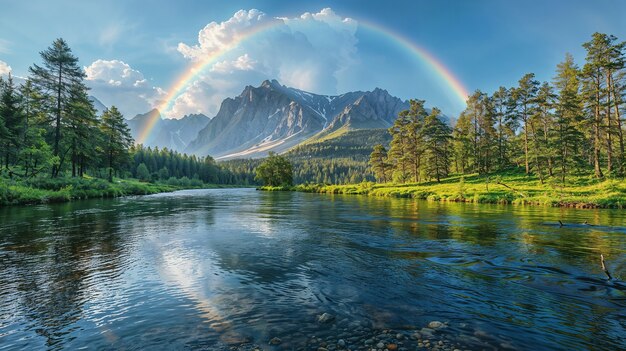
[(336, 335)]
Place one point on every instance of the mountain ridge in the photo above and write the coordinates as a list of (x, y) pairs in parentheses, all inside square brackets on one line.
[(274, 117), (175, 134)]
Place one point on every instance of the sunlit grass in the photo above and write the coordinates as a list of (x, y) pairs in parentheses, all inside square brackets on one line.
[(503, 188), (48, 190)]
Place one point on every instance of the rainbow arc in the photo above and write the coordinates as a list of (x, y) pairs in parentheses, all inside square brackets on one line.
[(440, 70)]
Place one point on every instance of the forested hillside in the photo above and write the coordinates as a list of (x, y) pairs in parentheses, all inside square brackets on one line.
[(337, 158)]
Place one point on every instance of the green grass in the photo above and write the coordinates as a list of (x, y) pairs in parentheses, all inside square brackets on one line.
[(47, 190), (579, 192)]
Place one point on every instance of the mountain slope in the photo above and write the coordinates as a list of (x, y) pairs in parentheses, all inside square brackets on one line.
[(174, 134), (100, 107), (273, 117)]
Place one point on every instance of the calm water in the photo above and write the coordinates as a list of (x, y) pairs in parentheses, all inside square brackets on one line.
[(211, 268)]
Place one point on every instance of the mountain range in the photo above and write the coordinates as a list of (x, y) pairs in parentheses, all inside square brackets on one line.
[(273, 117), (174, 134), (270, 117)]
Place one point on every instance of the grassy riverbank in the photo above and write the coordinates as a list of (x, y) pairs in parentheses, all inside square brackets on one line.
[(46, 190), (505, 188)]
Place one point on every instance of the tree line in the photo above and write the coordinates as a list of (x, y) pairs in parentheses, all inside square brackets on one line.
[(156, 165), (50, 127), (49, 124), (570, 126)]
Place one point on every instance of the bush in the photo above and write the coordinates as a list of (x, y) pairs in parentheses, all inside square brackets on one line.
[(173, 181)]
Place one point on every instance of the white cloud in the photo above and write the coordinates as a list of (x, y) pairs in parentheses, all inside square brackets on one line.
[(206, 94), (242, 63), (309, 52), (114, 72), (5, 69), (214, 37), (114, 82)]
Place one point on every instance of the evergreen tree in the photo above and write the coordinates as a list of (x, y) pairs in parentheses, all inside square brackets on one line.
[(543, 130), (142, 172), (413, 146), (82, 129), (506, 124), (59, 72), (380, 164), (604, 94), (462, 144), (524, 102), (12, 127), (438, 136), (399, 144), (569, 117), (117, 139)]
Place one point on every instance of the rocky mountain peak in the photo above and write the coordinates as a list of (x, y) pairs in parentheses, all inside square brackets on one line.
[(273, 117)]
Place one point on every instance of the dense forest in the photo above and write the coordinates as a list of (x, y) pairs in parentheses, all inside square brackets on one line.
[(173, 167), (49, 128), (570, 126), (338, 158)]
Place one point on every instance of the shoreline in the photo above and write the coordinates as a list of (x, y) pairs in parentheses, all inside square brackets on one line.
[(591, 194), (18, 194)]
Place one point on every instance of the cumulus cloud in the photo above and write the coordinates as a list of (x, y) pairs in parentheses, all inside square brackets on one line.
[(5, 69), (206, 94), (215, 37), (114, 82), (242, 63), (308, 52)]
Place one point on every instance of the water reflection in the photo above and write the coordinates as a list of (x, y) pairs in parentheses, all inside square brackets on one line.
[(200, 269)]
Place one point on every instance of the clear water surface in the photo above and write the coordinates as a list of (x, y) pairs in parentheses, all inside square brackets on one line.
[(208, 269)]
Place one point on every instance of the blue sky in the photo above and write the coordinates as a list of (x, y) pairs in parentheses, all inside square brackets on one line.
[(484, 43)]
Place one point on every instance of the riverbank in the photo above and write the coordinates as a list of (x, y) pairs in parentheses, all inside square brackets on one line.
[(45, 190), (506, 188)]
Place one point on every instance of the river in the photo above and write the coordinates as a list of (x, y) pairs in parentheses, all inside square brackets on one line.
[(214, 269)]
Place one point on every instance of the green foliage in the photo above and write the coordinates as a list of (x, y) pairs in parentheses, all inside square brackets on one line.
[(143, 173), (163, 164), (56, 79), (506, 188), (275, 170), (117, 139), (379, 162), (44, 189), (11, 121)]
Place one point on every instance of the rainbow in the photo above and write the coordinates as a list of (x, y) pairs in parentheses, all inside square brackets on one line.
[(443, 72), (193, 72)]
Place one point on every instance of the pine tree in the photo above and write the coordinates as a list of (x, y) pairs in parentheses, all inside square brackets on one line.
[(142, 172), (438, 136), (413, 146), (569, 117), (4, 133), (379, 163), (524, 101), (13, 125), (35, 154), (462, 144), (117, 139), (543, 130), (505, 126), (82, 129), (397, 152), (59, 72)]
